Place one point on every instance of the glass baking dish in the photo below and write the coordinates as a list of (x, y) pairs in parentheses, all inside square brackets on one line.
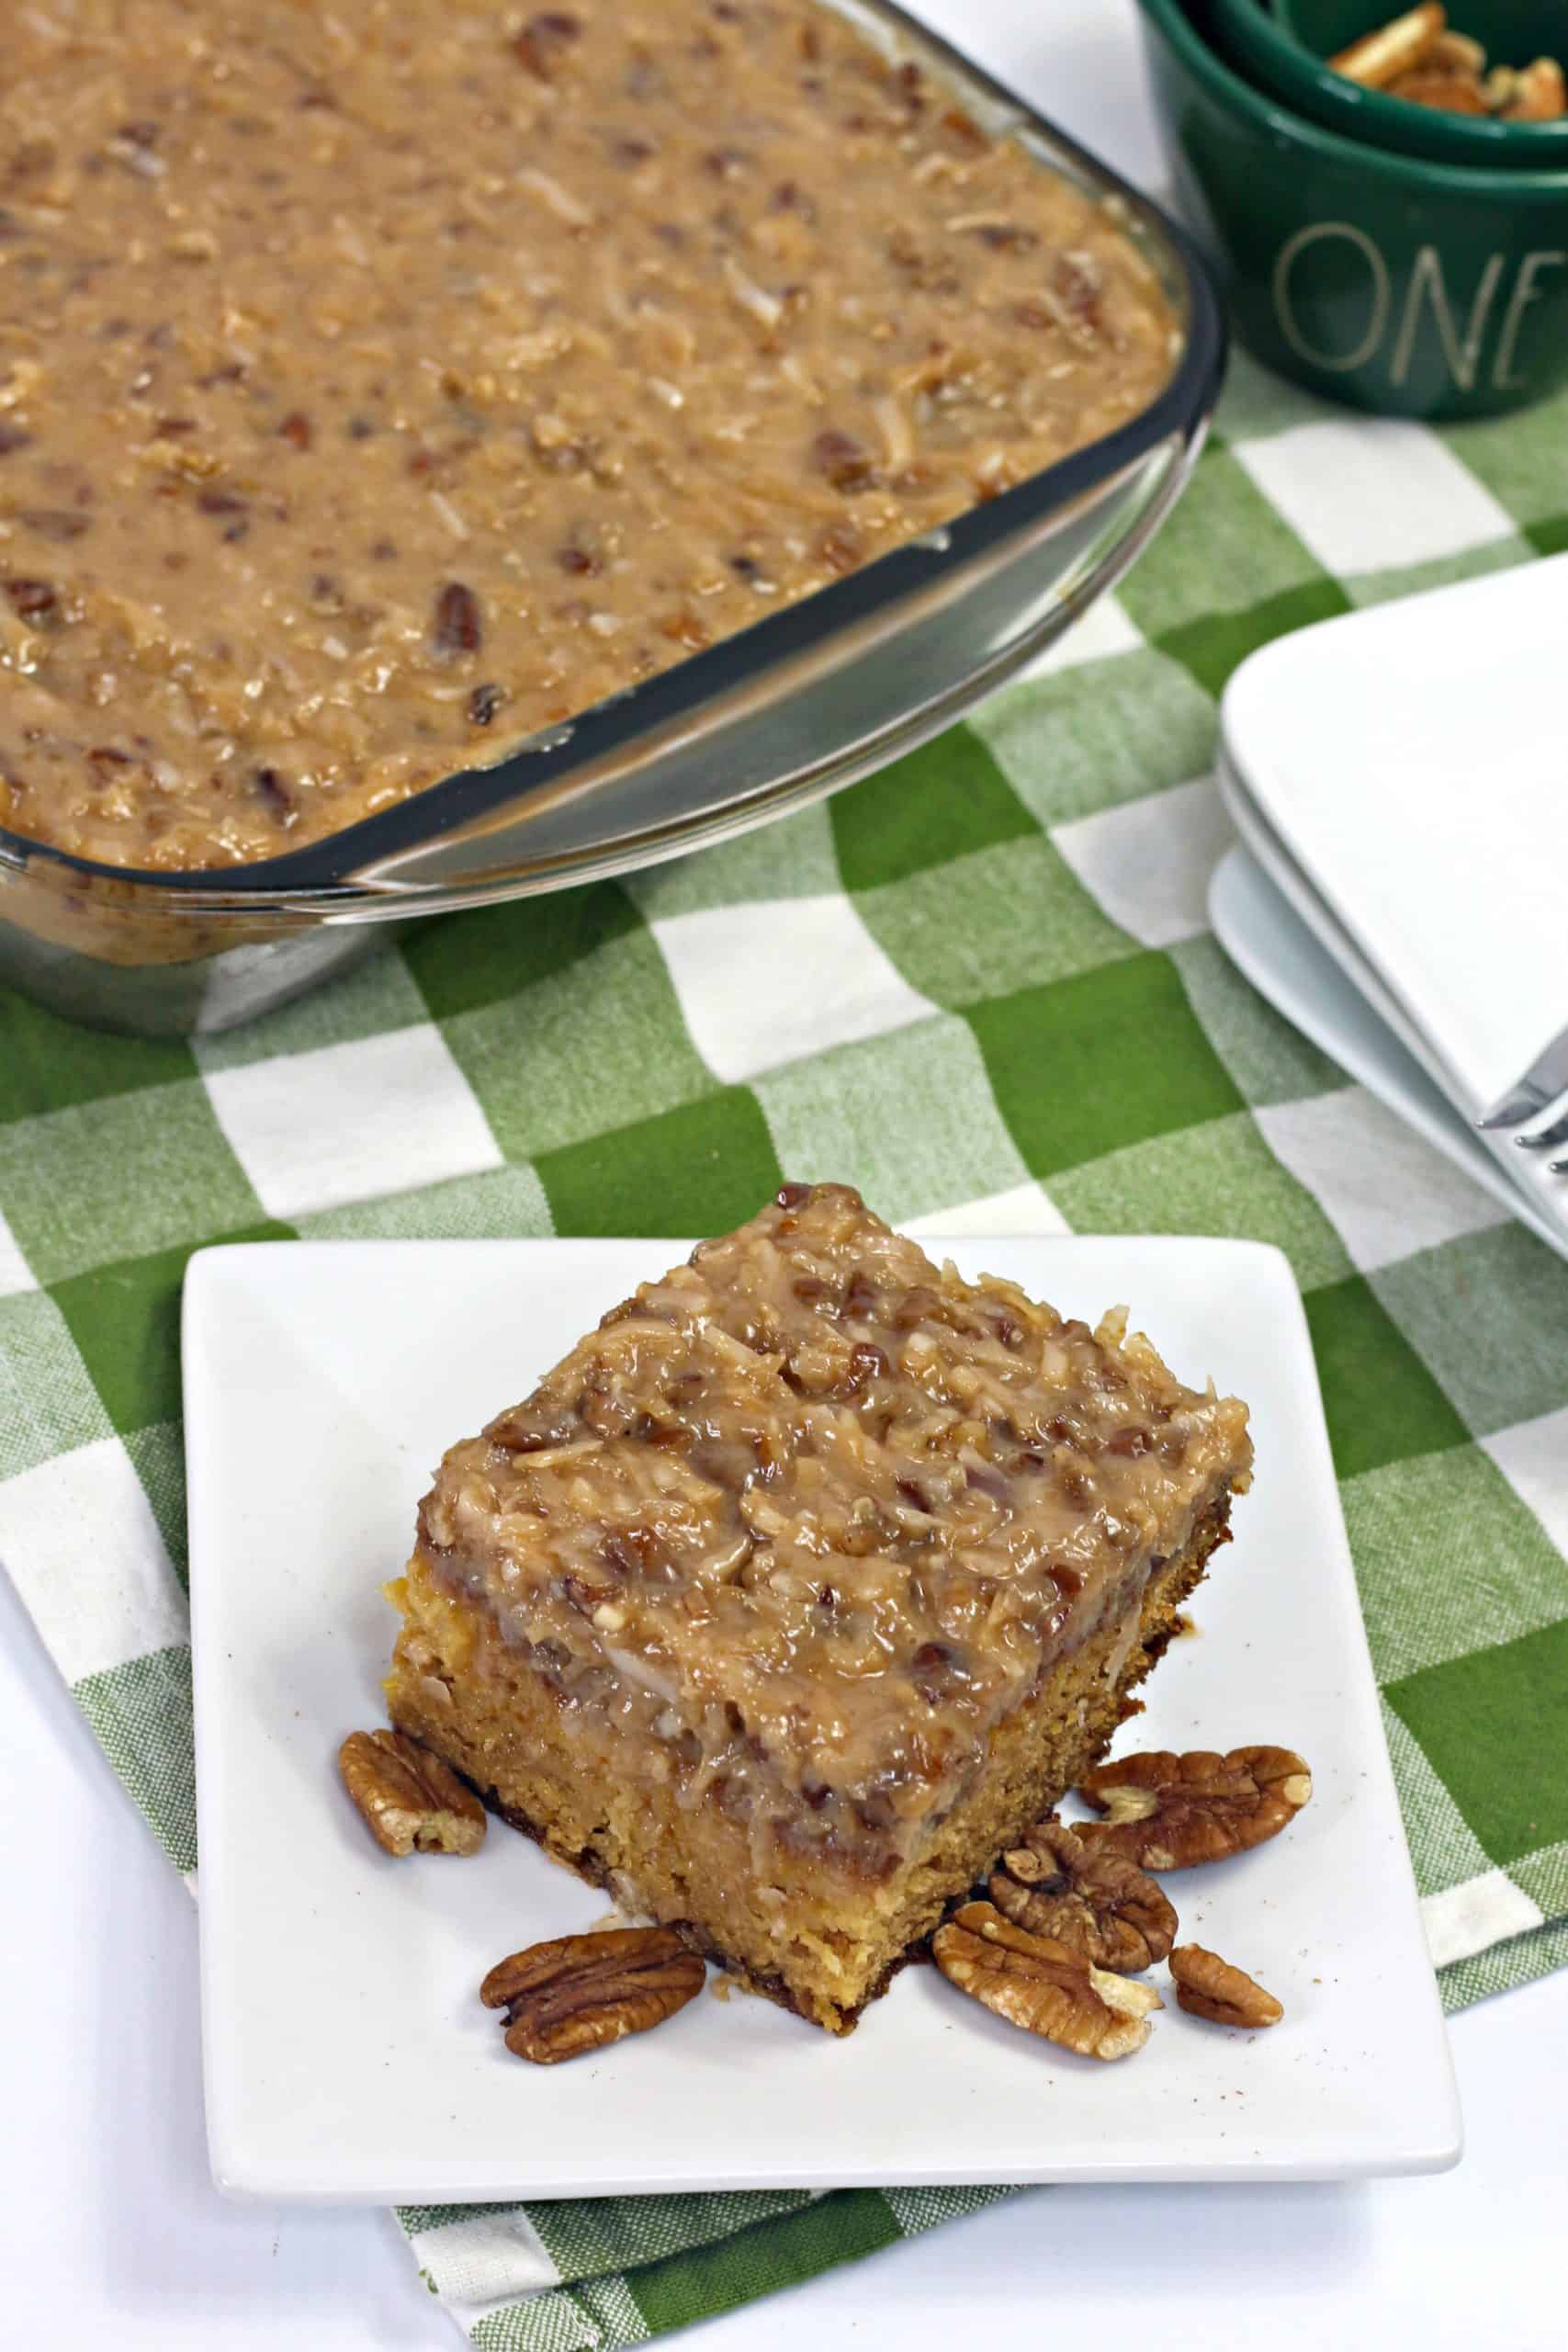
[(804, 701)]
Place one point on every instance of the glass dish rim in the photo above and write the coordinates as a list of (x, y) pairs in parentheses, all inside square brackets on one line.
[(326, 873)]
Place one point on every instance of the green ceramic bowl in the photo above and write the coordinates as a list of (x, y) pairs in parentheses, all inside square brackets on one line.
[(1409, 287), (1282, 48)]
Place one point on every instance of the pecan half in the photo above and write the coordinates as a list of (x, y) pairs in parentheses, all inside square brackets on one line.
[(580, 1991), (1210, 1987), (411, 1802), (1380, 57), (1042, 1986), (1085, 1894), (1169, 1812)]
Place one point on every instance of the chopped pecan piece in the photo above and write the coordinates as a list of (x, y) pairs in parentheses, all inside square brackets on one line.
[(1042, 1986), (411, 1802), (1538, 92), (580, 1991), (1168, 1812), (483, 704), (846, 462), (274, 790), (459, 626), (1380, 57), (1210, 1987), (1073, 295), (543, 41), (35, 601), (1086, 1895), (1445, 92)]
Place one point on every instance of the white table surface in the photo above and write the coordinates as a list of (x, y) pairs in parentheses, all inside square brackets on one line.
[(114, 2236)]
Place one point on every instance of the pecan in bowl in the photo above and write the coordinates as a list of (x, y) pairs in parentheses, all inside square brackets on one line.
[(410, 1802), (1208, 1986), (1087, 1895), (580, 1993), (1042, 1986), (1166, 1811)]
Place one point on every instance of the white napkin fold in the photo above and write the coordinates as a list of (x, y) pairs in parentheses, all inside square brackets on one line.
[(1413, 758)]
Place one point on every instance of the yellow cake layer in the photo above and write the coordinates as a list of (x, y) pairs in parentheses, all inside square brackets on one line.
[(819, 1938)]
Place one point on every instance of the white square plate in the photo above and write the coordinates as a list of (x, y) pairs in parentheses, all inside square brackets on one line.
[(346, 2053)]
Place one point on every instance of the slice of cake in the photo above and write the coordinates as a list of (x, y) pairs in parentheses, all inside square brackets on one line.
[(805, 1584)]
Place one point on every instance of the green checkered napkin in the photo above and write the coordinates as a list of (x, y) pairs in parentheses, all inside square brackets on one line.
[(981, 987)]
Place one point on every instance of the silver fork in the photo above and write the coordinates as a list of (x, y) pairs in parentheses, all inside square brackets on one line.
[(1542, 1089)]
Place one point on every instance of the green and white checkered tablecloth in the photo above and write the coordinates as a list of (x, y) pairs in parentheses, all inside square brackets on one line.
[(981, 987)]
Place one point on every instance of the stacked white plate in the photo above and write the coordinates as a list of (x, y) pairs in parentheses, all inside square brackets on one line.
[(1399, 780)]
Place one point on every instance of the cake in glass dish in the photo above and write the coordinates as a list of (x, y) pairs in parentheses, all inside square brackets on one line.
[(805, 1584), (382, 387)]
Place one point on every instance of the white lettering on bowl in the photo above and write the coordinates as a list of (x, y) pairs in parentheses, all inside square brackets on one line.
[(1462, 344), (1335, 363)]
